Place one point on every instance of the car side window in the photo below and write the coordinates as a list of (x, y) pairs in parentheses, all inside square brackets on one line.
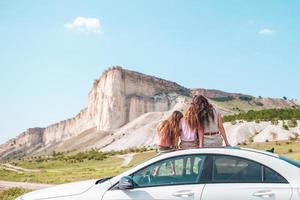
[(173, 171), (270, 176), (229, 169)]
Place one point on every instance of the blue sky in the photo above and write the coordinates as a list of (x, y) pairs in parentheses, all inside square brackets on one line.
[(51, 51)]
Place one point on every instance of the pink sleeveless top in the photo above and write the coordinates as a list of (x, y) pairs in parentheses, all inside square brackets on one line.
[(186, 133)]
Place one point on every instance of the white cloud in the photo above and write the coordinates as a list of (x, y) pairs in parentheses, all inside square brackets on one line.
[(84, 24), (265, 31)]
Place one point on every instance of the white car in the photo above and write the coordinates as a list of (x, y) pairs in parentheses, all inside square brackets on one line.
[(210, 174)]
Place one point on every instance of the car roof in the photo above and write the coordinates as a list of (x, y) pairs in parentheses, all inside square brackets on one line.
[(255, 151), (219, 150)]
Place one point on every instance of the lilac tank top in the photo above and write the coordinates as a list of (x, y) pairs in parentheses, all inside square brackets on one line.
[(186, 133)]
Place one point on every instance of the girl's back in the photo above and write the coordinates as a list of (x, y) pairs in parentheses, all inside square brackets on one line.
[(187, 134)]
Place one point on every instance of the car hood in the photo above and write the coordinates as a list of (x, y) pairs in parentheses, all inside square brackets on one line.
[(63, 190)]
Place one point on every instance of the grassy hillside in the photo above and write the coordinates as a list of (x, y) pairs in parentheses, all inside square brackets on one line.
[(265, 115), (57, 171), (289, 148), (237, 105), (62, 171)]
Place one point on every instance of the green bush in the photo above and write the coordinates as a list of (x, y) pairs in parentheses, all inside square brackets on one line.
[(292, 123), (246, 98), (258, 103), (12, 193), (286, 127), (265, 115), (233, 122), (293, 138), (223, 99), (274, 122), (93, 154)]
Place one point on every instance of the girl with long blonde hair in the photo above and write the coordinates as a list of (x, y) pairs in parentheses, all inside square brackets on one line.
[(168, 135), (189, 126), (169, 132)]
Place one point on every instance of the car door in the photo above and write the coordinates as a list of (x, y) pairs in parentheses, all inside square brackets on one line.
[(175, 178), (236, 178)]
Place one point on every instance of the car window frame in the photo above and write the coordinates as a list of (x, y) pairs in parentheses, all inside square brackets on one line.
[(247, 159), (174, 184), (270, 182), (114, 187)]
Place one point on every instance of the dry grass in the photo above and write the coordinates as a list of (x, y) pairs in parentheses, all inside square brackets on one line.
[(290, 148), (56, 171), (12, 193)]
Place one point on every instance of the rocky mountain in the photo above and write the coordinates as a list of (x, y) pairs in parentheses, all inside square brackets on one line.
[(124, 108)]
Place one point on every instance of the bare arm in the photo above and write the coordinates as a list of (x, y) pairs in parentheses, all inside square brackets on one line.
[(200, 133), (222, 129)]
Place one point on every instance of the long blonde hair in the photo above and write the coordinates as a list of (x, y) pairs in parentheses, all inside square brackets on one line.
[(169, 128), (191, 117)]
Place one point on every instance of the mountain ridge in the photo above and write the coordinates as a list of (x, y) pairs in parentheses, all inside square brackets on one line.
[(118, 98)]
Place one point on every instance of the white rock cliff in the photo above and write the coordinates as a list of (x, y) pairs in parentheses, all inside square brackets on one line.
[(124, 108), (118, 97)]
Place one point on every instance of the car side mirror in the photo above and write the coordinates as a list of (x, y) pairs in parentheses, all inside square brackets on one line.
[(126, 183)]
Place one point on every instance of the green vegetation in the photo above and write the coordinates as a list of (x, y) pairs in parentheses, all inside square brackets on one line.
[(92, 154), (274, 122), (289, 148), (292, 123), (246, 98), (67, 168), (286, 127), (238, 105), (12, 193), (266, 115), (57, 168), (258, 103), (223, 99)]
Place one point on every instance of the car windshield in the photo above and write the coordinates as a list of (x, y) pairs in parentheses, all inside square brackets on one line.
[(293, 162)]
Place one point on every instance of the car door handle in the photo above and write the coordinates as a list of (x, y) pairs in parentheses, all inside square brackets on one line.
[(264, 193), (183, 194)]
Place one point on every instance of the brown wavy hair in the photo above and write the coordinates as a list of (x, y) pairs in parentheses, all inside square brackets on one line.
[(169, 128), (205, 110), (191, 116)]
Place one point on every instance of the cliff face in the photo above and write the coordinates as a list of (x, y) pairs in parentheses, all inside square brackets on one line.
[(67, 129), (124, 108), (116, 98), (27, 140), (121, 95)]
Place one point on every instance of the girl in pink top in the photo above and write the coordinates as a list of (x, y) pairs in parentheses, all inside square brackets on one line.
[(189, 126)]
